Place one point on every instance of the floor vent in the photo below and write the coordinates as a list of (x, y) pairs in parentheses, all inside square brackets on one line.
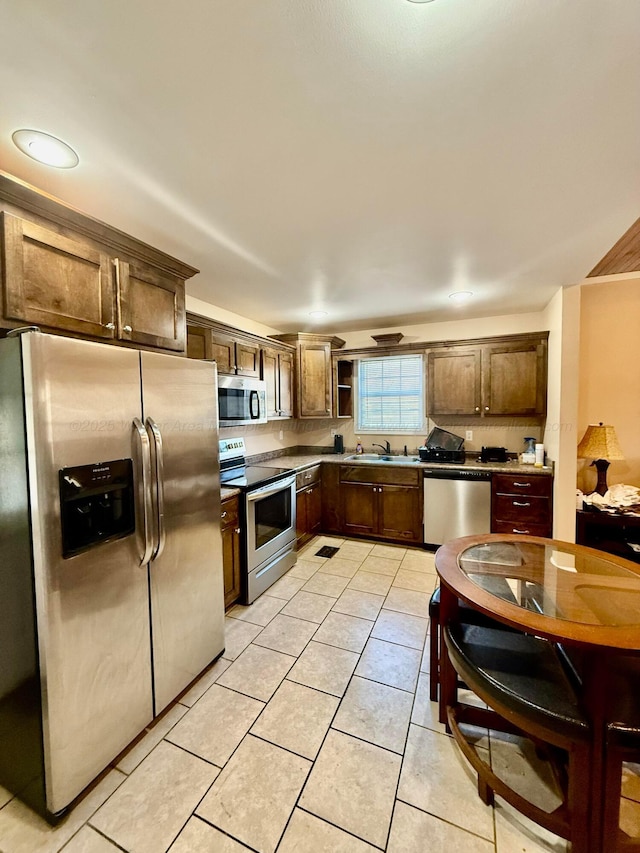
[(327, 551)]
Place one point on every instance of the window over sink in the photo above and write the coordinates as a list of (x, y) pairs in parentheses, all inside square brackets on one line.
[(391, 394)]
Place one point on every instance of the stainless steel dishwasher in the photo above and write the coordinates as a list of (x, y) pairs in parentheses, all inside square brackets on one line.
[(457, 502)]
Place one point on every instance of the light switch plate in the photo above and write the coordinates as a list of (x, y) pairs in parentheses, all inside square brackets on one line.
[(468, 436)]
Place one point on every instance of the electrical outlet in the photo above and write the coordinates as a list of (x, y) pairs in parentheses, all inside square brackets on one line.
[(334, 431), (468, 436), (281, 434)]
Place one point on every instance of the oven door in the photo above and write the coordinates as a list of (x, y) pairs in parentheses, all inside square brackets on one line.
[(271, 520)]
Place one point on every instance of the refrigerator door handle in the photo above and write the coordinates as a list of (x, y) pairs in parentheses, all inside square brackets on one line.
[(145, 453), (152, 426)]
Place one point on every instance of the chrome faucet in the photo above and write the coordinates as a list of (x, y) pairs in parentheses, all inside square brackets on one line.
[(386, 449)]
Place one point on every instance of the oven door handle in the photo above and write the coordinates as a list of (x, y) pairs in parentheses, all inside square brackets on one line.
[(271, 489)]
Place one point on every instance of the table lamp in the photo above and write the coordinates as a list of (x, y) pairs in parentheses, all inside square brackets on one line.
[(600, 444)]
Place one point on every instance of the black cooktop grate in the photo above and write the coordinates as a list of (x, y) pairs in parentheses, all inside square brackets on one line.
[(327, 551)]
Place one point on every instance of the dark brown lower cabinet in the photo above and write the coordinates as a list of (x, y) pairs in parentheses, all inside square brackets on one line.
[(308, 505), (522, 503), (230, 530), (385, 502)]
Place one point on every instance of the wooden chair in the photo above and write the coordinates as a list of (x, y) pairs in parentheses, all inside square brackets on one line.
[(467, 615), (622, 744), (523, 681)]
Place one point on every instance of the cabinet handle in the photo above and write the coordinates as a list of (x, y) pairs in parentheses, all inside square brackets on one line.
[(521, 503), (515, 530), (127, 329), (237, 530), (477, 408), (223, 514), (110, 326), (486, 408), (522, 485)]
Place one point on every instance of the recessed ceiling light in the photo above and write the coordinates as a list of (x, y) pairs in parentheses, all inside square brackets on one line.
[(461, 295), (46, 149), (420, 1), (318, 314)]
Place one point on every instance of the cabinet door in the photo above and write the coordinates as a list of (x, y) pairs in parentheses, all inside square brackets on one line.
[(199, 342), (151, 307), (248, 359), (314, 382), (302, 525), (277, 372), (223, 350), (359, 508), (399, 515), (270, 375), (314, 510), (50, 280), (285, 370), (231, 564), (454, 381), (331, 511), (514, 379), (230, 551)]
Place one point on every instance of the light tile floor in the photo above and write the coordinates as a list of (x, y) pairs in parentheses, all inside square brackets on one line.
[(312, 734)]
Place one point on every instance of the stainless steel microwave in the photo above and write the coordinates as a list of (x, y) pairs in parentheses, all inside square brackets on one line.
[(241, 401)]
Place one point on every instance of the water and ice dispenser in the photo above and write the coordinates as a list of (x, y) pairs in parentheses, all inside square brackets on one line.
[(96, 504)]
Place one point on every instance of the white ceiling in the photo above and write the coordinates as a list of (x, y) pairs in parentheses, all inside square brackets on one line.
[(365, 157)]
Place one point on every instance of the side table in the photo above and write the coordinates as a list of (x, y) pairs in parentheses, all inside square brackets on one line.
[(615, 533)]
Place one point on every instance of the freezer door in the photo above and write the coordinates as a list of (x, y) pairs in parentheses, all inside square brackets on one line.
[(92, 609), (187, 599)]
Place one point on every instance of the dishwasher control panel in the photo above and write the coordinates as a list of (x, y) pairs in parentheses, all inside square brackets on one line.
[(456, 474)]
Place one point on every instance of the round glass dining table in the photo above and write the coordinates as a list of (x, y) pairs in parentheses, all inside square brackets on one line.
[(584, 599)]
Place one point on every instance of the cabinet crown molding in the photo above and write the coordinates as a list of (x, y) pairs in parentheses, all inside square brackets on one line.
[(30, 199)]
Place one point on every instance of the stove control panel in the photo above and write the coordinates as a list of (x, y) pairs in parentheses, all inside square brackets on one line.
[(231, 448)]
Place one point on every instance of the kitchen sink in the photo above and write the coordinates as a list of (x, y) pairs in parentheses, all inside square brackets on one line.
[(375, 457)]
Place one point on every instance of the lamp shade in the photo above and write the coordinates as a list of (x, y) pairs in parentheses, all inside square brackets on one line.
[(600, 442)]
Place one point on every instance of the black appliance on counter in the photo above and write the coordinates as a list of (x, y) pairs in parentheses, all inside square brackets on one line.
[(267, 516), (442, 446), (493, 454)]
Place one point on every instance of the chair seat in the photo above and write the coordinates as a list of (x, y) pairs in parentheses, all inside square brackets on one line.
[(624, 717), (518, 672)]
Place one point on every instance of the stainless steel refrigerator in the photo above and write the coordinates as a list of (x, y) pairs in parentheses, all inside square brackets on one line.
[(111, 590)]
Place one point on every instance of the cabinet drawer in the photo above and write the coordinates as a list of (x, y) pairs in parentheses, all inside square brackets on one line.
[(529, 510), (229, 513), (391, 475), (522, 527), (522, 484), (306, 478)]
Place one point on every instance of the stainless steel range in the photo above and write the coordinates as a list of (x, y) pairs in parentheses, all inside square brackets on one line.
[(268, 517)]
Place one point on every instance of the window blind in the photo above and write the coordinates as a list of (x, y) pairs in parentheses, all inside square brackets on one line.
[(391, 393)]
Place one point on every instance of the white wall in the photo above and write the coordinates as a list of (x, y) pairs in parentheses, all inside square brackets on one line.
[(563, 321), (453, 330), (206, 309)]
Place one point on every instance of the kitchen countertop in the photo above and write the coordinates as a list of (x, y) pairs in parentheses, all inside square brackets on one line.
[(301, 461), (227, 492)]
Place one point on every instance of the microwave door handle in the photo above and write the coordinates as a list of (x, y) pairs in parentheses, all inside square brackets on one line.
[(159, 486), (254, 411), (147, 509)]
